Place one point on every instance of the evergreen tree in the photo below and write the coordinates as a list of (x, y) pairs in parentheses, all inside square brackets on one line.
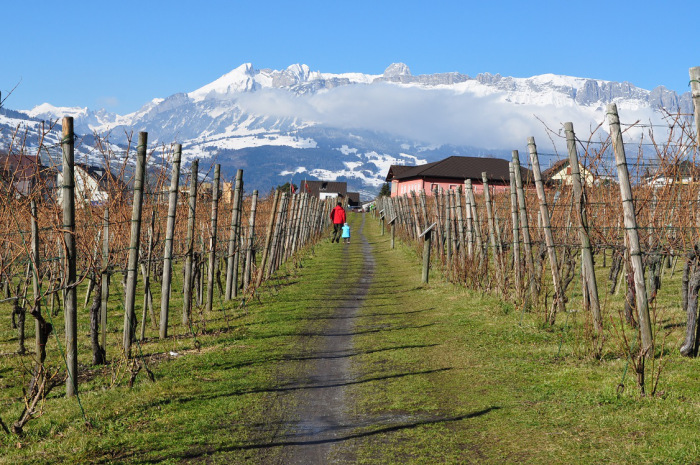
[(285, 188), (385, 191)]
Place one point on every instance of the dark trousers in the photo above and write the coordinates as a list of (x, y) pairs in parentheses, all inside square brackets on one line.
[(337, 231)]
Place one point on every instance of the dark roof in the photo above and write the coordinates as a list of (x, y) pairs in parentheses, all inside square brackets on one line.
[(396, 170), (21, 166), (25, 172), (461, 168), (354, 198), (315, 188)]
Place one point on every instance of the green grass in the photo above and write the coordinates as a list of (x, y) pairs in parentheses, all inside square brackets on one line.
[(448, 376), (470, 355)]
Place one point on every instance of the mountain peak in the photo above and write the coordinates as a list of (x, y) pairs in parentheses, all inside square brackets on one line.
[(397, 70), (240, 79)]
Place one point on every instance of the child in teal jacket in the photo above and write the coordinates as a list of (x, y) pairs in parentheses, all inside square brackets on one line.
[(346, 234)]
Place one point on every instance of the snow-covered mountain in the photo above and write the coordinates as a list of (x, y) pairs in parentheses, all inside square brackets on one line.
[(295, 122)]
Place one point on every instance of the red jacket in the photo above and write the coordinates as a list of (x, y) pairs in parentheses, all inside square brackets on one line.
[(338, 215)]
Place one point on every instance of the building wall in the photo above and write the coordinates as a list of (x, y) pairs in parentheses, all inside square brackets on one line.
[(405, 187), (563, 176), (86, 188), (327, 195)]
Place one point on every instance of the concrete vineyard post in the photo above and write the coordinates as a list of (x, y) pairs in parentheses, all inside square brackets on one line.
[(632, 234), (70, 302), (251, 241), (231, 272), (168, 248), (212, 239), (189, 243), (524, 224), (586, 252), (105, 281), (492, 228), (268, 238), (517, 268), (559, 305), (134, 245)]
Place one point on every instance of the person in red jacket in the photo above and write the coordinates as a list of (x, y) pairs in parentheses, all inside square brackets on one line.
[(338, 219)]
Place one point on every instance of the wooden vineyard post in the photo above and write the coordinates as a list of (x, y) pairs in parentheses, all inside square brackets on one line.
[(517, 268), (146, 269), (448, 226), (453, 222), (414, 210), (189, 243), (134, 245), (296, 233), (251, 242), (586, 252), (168, 252), (470, 222), (40, 327), (282, 204), (392, 223), (632, 234), (460, 223), (268, 238), (427, 238), (381, 220), (105, 281), (690, 343), (423, 206), (524, 224), (231, 272), (549, 237), (212, 239), (695, 92), (438, 215), (492, 229), (293, 204), (70, 299), (475, 221)]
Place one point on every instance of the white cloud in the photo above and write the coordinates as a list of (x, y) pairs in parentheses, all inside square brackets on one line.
[(436, 115)]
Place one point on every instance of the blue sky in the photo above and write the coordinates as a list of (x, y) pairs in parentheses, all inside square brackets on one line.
[(119, 55)]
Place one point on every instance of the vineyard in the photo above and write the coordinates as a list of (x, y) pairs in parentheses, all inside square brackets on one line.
[(70, 248), (596, 251), (107, 272)]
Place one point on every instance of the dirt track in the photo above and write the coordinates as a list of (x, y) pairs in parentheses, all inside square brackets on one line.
[(323, 405)]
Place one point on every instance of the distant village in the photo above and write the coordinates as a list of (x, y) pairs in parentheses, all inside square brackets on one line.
[(21, 174)]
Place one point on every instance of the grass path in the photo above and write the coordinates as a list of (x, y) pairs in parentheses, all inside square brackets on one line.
[(337, 364)]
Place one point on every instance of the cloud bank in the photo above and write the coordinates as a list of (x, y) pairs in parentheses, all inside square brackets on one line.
[(434, 116)]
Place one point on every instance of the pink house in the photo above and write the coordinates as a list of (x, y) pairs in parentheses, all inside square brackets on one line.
[(451, 173)]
